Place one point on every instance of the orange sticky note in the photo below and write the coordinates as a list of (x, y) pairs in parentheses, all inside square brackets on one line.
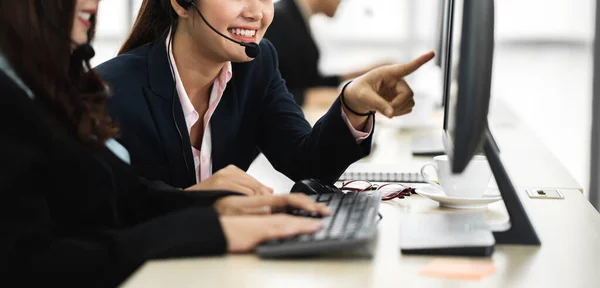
[(458, 268)]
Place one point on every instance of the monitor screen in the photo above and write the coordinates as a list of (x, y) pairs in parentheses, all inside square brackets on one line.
[(441, 25), (469, 80), (451, 64), (446, 53)]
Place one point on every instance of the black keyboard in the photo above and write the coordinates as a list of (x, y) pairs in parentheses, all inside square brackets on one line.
[(352, 225)]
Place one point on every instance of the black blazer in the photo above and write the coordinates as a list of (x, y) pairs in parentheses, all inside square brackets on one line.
[(256, 111), (298, 52), (72, 212)]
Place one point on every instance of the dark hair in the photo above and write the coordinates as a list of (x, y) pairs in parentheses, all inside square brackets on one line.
[(35, 40), (153, 22)]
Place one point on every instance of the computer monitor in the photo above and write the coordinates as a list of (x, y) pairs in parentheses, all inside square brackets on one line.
[(445, 56), (468, 98), (432, 145), (469, 75), (440, 33)]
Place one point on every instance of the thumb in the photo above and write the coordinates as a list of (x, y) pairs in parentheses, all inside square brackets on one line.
[(402, 70)]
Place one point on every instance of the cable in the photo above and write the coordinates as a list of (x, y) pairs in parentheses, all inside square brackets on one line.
[(169, 51)]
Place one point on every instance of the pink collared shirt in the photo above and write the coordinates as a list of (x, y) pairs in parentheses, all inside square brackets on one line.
[(203, 157)]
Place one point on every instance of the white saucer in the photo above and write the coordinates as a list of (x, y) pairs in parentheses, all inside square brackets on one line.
[(436, 194)]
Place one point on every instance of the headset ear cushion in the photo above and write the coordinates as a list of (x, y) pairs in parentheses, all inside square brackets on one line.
[(186, 3), (183, 3)]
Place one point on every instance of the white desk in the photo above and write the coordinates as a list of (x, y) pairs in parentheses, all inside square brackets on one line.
[(569, 230), (569, 257)]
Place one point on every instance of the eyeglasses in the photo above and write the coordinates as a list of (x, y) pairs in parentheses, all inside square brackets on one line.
[(389, 191)]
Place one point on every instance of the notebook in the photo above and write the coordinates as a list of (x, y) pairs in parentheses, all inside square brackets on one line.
[(380, 173)]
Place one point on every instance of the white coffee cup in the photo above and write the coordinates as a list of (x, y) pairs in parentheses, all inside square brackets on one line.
[(471, 183)]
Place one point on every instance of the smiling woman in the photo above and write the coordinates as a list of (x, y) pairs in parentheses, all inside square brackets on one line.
[(236, 19), (192, 103), (207, 72)]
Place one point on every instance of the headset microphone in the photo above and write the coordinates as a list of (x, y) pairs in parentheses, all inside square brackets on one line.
[(252, 49), (84, 52)]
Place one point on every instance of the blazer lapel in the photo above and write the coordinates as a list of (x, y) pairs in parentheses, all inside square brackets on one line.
[(168, 117), (223, 127)]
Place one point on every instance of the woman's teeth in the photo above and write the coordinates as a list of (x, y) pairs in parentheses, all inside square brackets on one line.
[(243, 32), (85, 16)]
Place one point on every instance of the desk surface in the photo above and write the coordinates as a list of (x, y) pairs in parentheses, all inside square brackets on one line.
[(568, 257), (569, 230)]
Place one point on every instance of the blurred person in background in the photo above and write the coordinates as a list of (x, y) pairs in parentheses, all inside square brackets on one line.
[(299, 55)]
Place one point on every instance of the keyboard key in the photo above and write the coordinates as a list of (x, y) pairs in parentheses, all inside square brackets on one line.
[(305, 237), (335, 233), (321, 235), (334, 203), (324, 198)]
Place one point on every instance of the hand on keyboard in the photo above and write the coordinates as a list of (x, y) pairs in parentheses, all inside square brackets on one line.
[(351, 225), (244, 233), (267, 204)]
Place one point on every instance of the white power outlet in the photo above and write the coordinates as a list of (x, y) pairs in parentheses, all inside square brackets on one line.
[(545, 194)]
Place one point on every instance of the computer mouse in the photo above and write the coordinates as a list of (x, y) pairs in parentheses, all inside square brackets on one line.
[(309, 187)]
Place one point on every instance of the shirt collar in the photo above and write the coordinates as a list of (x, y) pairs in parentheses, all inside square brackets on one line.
[(223, 78), (226, 74)]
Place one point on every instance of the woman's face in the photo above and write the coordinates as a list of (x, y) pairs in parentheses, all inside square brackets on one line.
[(242, 20), (84, 10)]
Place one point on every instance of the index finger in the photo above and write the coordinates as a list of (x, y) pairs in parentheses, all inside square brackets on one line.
[(402, 70)]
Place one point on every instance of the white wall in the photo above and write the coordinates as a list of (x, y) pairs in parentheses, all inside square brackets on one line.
[(546, 19), (113, 26)]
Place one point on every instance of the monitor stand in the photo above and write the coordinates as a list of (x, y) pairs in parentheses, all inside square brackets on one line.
[(520, 229)]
